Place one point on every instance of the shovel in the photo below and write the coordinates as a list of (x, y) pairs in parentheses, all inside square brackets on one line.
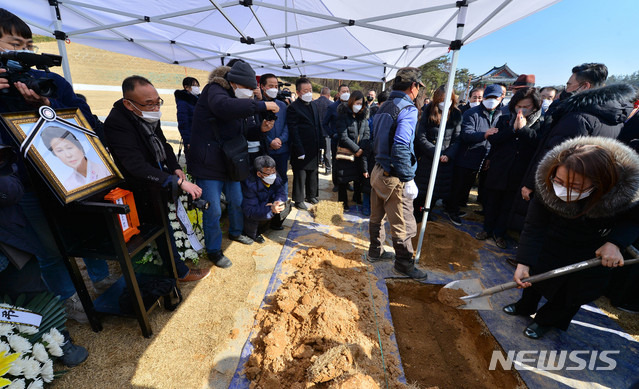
[(478, 298)]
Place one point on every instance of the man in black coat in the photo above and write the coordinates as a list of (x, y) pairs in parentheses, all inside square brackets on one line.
[(305, 134), (222, 115), (142, 153)]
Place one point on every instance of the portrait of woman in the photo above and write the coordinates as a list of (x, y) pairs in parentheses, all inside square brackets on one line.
[(66, 147)]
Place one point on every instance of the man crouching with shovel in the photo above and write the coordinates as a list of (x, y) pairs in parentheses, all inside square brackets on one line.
[(587, 203)]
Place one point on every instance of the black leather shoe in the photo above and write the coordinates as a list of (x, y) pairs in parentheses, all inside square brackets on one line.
[(242, 239), (536, 331), (277, 227), (220, 260), (259, 239), (511, 309), (313, 200), (414, 273), (301, 205)]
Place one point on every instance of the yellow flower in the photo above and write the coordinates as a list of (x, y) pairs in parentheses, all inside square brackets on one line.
[(5, 365)]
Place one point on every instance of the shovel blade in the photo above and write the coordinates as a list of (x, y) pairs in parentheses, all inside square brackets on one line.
[(471, 286)]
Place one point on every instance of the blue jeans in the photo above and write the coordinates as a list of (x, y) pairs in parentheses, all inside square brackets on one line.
[(211, 192), (54, 271)]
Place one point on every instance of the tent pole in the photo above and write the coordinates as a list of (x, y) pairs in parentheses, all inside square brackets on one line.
[(60, 37), (455, 46)]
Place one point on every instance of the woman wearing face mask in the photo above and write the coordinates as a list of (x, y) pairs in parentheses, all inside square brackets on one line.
[(186, 99), (587, 205), (69, 150), (512, 148), (354, 135), (425, 140)]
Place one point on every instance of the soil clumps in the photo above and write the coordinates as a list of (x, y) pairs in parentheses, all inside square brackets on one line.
[(448, 249), (451, 297)]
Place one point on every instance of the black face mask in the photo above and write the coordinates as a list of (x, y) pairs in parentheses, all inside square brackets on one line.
[(369, 98), (565, 95)]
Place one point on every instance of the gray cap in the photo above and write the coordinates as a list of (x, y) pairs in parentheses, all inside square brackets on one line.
[(410, 75), (242, 73)]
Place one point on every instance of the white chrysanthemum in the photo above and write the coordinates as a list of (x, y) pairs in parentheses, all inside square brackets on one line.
[(36, 384), (187, 244), (31, 368), (175, 225), (4, 347), (46, 372), (6, 330), (16, 384), (57, 336), (17, 367), (55, 350), (178, 243), (171, 208), (29, 330), (40, 352), (19, 344)]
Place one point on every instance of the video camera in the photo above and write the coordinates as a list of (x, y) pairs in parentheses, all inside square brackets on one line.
[(200, 204), (17, 65), (283, 94)]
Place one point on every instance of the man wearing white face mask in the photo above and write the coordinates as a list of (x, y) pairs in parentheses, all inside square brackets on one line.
[(477, 124), (142, 153), (223, 115), (475, 97), (305, 133), (185, 99), (276, 139), (329, 121), (265, 199)]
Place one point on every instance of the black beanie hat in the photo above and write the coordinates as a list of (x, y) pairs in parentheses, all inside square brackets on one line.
[(242, 73)]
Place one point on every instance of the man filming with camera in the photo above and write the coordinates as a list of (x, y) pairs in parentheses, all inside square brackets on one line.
[(142, 153)]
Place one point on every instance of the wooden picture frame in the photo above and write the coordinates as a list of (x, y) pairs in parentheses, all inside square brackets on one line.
[(64, 150)]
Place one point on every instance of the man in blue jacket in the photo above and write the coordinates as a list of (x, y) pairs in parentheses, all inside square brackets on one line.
[(265, 200), (277, 139), (392, 186), (478, 124)]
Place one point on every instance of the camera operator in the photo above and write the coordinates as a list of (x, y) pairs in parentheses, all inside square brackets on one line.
[(142, 153), (16, 35)]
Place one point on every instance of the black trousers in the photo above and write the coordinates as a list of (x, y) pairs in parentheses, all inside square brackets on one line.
[(305, 184), (27, 281), (342, 193), (254, 227), (463, 180), (497, 206)]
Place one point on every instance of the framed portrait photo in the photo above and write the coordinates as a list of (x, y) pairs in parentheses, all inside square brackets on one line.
[(65, 151)]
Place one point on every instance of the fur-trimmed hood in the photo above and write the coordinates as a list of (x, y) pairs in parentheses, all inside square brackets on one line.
[(611, 104), (621, 197), (218, 76)]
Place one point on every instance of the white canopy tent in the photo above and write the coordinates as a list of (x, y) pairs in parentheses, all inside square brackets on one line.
[(352, 40)]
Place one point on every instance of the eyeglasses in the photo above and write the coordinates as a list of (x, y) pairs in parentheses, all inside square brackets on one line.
[(150, 105), (19, 46)]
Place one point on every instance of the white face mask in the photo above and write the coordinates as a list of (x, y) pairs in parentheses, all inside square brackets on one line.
[(441, 106), (562, 192), (345, 96), (473, 104), (307, 97), (490, 104), (545, 104), (242, 93), (270, 179), (356, 108), (195, 90), (272, 93), (149, 116)]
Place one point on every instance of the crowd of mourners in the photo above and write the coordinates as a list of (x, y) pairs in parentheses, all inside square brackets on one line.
[(557, 165)]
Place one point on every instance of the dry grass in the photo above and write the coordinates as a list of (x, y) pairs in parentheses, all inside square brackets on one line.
[(328, 212)]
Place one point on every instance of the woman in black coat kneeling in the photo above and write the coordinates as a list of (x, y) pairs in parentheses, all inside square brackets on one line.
[(354, 135), (425, 140)]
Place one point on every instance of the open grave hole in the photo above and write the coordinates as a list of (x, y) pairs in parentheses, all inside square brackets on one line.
[(441, 346)]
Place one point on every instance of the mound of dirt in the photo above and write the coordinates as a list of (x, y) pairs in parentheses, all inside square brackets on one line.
[(328, 212), (320, 328), (451, 297), (447, 249)]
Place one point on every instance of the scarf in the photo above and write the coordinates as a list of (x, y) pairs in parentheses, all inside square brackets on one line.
[(154, 140)]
